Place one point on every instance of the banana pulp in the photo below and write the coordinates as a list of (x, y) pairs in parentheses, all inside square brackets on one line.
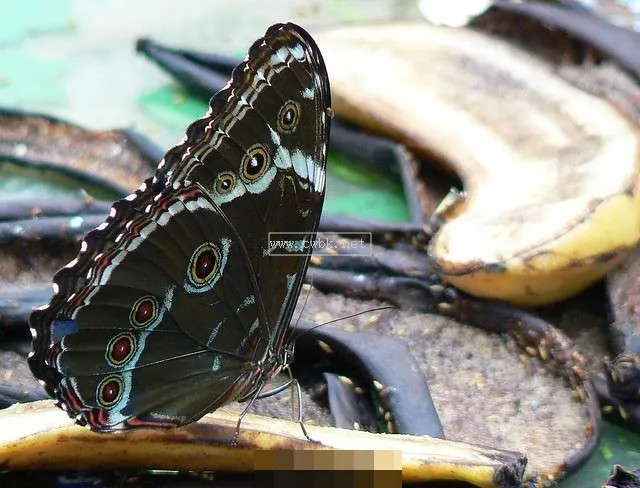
[(550, 173)]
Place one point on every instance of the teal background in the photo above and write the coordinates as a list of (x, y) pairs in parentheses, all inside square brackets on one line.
[(76, 60)]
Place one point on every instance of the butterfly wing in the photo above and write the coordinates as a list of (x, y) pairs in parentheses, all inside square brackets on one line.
[(157, 336), (272, 181), (128, 339)]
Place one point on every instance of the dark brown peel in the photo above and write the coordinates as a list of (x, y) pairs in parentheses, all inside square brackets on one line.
[(534, 336), (385, 365), (623, 478), (612, 41), (16, 305), (623, 374), (61, 230), (341, 224), (540, 339), (114, 158), (346, 403), (108, 164), (621, 411), (375, 259), (623, 370), (28, 208), (204, 74), (57, 220)]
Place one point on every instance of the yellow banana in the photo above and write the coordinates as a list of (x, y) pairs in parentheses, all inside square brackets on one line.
[(40, 436), (551, 173)]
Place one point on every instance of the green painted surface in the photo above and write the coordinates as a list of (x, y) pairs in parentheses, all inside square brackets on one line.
[(172, 106), (356, 191), (26, 77), (29, 74), (617, 446), (23, 19), (74, 58)]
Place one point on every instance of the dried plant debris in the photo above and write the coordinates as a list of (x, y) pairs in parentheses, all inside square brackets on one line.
[(623, 367), (114, 158), (623, 478), (25, 264), (623, 287), (484, 392), (594, 55), (17, 384)]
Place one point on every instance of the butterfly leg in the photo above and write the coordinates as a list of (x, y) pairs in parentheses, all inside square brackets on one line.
[(296, 392), (236, 432), (257, 395), (296, 385)]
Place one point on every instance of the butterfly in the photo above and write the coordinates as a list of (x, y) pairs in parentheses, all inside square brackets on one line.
[(175, 305)]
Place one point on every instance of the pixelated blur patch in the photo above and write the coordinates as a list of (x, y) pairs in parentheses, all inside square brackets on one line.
[(327, 468)]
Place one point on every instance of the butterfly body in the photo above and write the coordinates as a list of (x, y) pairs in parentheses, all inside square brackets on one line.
[(175, 306)]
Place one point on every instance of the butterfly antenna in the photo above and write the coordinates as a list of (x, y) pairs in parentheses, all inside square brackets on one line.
[(306, 300), (301, 333), (297, 333)]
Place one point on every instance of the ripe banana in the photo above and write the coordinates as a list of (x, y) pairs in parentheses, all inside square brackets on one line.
[(39, 436), (551, 174)]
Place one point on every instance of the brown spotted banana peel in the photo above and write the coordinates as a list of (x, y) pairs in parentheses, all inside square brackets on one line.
[(40, 436), (551, 173)]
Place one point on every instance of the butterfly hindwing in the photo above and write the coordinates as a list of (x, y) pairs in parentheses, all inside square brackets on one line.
[(158, 322)]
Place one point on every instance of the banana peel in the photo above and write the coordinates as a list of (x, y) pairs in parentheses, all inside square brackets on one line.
[(551, 173), (40, 436)]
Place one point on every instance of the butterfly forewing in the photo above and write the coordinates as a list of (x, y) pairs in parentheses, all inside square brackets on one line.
[(280, 99), (174, 306)]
